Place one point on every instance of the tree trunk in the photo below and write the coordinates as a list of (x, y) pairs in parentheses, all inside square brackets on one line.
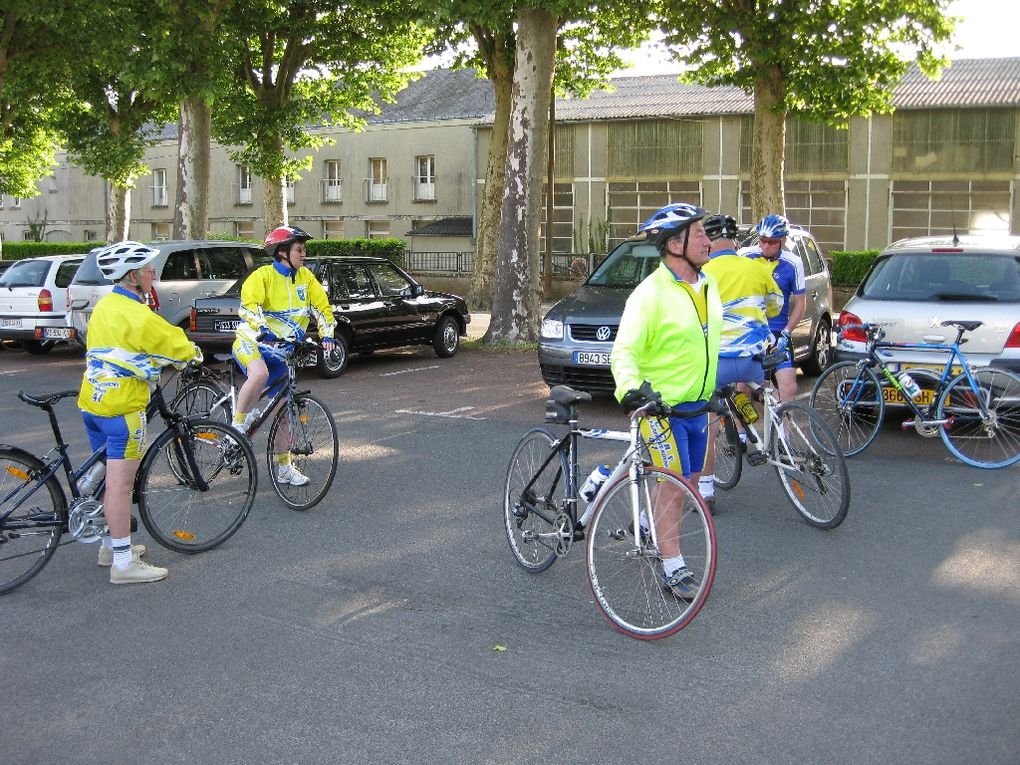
[(480, 293), (273, 202), (118, 213), (515, 303), (191, 213), (768, 147)]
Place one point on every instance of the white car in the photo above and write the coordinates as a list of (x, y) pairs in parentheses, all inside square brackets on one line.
[(33, 301)]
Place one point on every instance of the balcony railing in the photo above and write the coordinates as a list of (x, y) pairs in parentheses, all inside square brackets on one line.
[(242, 194), (332, 191), (424, 190), (158, 196), (375, 191)]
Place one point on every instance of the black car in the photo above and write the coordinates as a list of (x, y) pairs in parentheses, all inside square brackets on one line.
[(375, 303)]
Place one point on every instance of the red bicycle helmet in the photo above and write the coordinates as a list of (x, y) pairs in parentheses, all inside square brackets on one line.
[(284, 236)]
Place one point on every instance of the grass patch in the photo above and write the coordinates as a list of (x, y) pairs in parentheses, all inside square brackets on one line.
[(476, 344)]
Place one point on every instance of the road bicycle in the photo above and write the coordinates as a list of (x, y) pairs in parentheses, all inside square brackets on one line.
[(540, 508), (976, 411), (301, 423), (194, 488), (794, 440)]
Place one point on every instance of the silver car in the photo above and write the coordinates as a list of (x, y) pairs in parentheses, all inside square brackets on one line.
[(578, 332), (186, 271), (32, 301), (916, 284)]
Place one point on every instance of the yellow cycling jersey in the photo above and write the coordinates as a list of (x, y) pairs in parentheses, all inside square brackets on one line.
[(128, 346), (272, 300), (750, 297)]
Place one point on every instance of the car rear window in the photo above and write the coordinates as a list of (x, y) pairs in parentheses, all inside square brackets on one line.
[(66, 272), (89, 274), (27, 273), (972, 276), (626, 266)]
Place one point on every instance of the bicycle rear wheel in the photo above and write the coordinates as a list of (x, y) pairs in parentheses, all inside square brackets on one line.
[(988, 439), (811, 466), (625, 570), (173, 506), (203, 399), (728, 453), (32, 518), (533, 511), (850, 402), (310, 436)]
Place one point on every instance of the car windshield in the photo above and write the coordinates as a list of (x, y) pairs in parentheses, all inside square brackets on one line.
[(89, 273), (26, 273), (973, 276), (264, 260), (626, 266)]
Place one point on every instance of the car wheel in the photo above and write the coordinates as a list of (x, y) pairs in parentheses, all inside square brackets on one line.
[(821, 350), (333, 364), (446, 340), (37, 348)]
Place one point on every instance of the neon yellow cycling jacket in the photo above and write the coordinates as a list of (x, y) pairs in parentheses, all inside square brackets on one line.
[(127, 347), (272, 300), (662, 339)]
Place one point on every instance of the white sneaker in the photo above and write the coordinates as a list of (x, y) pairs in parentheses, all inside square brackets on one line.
[(106, 554), (290, 474), (136, 571)]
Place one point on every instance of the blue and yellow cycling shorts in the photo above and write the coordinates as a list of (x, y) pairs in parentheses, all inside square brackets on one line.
[(681, 443), (245, 352), (123, 435)]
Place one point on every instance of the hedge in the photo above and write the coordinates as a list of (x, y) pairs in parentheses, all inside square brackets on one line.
[(850, 266), (20, 250)]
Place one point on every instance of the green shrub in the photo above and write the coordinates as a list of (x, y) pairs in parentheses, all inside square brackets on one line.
[(391, 248), (21, 250), (850, 266)]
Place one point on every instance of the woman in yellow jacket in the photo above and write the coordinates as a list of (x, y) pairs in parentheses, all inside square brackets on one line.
[(277, 302)]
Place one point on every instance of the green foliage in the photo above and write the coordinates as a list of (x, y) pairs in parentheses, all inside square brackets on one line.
[(591, 236), (21, 250), (850, 266), (390, 247)]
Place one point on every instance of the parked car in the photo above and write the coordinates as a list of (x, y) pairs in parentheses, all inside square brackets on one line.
[(186, 271), (33, 301), (916, 284), (578, 332), (376, 305)]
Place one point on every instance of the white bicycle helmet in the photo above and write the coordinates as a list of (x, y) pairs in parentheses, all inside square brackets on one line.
[(669, 221), (116, 260), (773, 226)]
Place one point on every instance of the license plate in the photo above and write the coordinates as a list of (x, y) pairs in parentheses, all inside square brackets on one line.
[(10, 322), (591, 358), (895, 398), (227, 325), (58, 333)]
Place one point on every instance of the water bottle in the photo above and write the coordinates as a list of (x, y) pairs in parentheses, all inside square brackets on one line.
[(595, 481), (910, 386), (88, 482), (745, 407)]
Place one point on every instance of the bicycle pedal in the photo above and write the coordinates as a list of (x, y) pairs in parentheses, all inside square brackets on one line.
[(756, 457), (907, 424)]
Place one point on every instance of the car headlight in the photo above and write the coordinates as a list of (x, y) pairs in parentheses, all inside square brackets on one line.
[(552, 329)]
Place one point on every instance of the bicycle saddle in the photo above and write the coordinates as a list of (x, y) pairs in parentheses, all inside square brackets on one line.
[(969, 326), (45, 400), (566, 396)]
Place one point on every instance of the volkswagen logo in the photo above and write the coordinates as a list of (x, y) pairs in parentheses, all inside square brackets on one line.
[(603, 333)]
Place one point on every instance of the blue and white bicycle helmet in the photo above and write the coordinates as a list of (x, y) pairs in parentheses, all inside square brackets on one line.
[(669, 221), (773, 227), (115, 260), (721, 226)]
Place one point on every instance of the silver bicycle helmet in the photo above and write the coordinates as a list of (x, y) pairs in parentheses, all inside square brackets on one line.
[(116, 260)]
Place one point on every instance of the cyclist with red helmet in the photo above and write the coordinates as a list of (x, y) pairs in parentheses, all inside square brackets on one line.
[(277, 302)]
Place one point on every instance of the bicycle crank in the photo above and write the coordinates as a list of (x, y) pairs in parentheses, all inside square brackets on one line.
[(85, 521), (564, 533)]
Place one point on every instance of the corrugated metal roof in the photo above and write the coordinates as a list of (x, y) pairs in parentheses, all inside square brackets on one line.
[(968, 82), (442, 94)]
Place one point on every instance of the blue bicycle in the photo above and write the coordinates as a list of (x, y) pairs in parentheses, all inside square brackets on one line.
[(976, 412)]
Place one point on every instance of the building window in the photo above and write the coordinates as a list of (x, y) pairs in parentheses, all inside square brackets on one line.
[(331, 182), (332, 229), (289, 188), (28, 236), (377, 180), (159, 187), (655, 149), (161, 231), (53, 183), (1, 202), (425, 178), (244, 229), (243, 185), (16, 203), (377, 229), (953, 141), (563, 239), (90, 235), (817, 205), (631, 203), (927, 208), (564, 157), (811, 147)]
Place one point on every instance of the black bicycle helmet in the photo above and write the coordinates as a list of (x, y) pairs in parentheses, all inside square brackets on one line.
[(721, 226)]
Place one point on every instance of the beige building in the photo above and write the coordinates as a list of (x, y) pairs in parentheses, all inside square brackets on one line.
[(948, 155)]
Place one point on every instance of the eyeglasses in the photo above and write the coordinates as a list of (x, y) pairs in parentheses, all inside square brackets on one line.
[(769, 240)]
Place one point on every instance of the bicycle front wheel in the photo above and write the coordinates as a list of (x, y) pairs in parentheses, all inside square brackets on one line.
[(850, 402), (984, 419), (203, 399), (533, 501), (306, 436), (32, 518), (625, 568), (810, 464), (728, 453), (196, 485)]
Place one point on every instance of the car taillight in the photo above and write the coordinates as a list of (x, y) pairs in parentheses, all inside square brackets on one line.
[(153, 299), (853, 335), (45, 300), (193, 324), (1013, 341)]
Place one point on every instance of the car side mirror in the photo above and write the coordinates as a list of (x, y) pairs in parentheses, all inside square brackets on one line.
[(417, 290)]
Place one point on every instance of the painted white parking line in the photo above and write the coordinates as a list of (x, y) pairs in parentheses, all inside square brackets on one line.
[(456, 414), (11, 372), (412, 369)]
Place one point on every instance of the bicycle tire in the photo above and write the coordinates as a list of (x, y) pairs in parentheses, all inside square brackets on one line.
[(174, 510), (850, 402), (625, 572), (991, 441), (729, 454), (813, 470), (29, 534), (315, 451), (531, 536), (197, 399)]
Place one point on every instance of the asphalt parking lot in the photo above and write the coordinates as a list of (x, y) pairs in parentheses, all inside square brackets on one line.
[(390, 624)]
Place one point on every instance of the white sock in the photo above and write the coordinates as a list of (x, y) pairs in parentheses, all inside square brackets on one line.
[(121, 551), (107, 543), (669, 565), (706, 486)]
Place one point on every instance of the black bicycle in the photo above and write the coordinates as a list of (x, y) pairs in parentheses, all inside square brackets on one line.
[(195, 486)]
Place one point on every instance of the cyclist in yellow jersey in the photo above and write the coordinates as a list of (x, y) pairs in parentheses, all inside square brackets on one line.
[(669, 338), (128, 346), (277, 302)]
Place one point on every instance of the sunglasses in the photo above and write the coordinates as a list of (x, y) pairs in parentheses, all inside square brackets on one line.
[(769, 240)]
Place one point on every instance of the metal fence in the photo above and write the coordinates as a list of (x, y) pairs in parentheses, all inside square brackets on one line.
[(564, 265)]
